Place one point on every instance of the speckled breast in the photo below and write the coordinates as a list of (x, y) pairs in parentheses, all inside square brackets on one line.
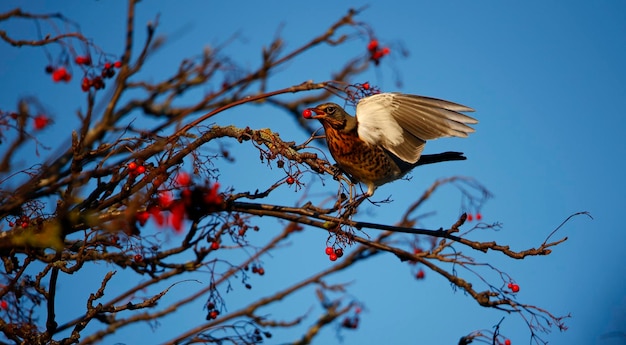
[(364, 162)]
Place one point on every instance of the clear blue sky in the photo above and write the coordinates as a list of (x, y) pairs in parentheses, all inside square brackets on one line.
[(546, 80)]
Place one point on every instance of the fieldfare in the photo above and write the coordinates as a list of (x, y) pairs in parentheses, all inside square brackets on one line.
[(386, 138)]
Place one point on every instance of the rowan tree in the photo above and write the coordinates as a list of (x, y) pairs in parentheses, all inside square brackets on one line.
[(139, 196)]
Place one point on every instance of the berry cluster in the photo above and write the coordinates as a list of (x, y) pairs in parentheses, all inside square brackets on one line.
[(514, 287), (23, 221), (376, 52), (258, 270), (97, 81), (352, 322), (333, 254), (421, 274), (355, 92), (212, 313), (59, 74), (135, 168), (257, 338), (40, 121), (194, 202), (92, 78), (470, 217), (239, 223)]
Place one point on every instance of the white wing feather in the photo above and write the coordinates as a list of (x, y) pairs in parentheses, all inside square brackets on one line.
[(376, 124), (402, 123)]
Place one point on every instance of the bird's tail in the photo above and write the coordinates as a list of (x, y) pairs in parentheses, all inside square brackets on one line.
[(440, 157)]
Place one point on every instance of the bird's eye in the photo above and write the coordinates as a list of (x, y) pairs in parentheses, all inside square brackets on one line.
[(330, 110)]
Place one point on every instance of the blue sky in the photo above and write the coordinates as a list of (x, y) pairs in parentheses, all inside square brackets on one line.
[(546, 80)]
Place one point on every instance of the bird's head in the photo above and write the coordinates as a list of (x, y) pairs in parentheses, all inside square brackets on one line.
[(330, 114)]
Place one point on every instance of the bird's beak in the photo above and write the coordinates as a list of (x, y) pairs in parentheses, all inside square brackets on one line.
[(320, 114)]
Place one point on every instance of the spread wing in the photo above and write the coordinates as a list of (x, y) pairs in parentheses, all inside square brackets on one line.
[(402, 123)]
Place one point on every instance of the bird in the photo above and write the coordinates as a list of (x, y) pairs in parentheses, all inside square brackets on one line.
[(385, 140)]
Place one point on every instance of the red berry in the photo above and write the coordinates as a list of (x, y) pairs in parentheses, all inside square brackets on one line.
[(140, 169), (510, 285), (350, 323), (86, 84), (215, 245), (41, 121), (177, 216), (469, 217), (83, 60), (108, 73), (515, 288), (372, 45), (183, 179), (290, 180), (142, 217), (307, 113), (377, 55), (507, 342), (332, 257), (420, 274), (59, 74), (213, 314), (117, 64), (138, 258), (366, 86), (165, 199), (339, 252), (329, 250), (479, 217), (97, 83), (386, 51), (210, 305), (261, 271), (107, 65), (132, 166), (4, 305)]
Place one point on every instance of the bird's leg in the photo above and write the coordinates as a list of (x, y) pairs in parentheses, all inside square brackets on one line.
[(339, 175), (355, 201), (344, 200)]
